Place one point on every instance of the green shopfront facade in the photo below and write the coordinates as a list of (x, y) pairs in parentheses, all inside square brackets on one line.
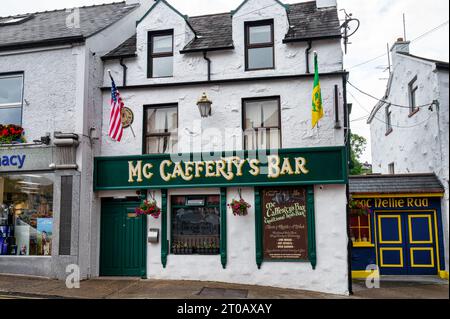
[(293, 236)]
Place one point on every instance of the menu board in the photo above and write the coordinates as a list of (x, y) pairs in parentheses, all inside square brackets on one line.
[(285, 231)]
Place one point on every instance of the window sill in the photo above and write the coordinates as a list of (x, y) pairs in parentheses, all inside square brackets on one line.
[(363, 245), (262, 69), (411, 114)]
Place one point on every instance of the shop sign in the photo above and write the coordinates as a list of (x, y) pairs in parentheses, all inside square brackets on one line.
[(285, 224), (25, 159), (406, 202), (246, 168)]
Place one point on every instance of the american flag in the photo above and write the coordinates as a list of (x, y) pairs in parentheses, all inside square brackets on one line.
[(115, 119)]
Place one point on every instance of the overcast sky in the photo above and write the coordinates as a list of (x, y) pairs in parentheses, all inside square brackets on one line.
[(381, 23)]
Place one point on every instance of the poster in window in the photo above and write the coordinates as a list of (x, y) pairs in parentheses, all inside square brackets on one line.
[(285, 225), (44, 228)]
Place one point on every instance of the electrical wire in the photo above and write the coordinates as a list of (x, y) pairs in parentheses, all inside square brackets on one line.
[(384, 122), (416, 39), (387, 102)]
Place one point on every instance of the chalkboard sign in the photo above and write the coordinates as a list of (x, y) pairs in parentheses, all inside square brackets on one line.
[(285, 224)]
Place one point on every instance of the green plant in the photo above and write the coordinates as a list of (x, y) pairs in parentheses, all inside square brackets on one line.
[(11, 133)]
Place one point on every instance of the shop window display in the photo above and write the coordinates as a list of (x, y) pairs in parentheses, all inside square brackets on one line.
[(195, 222), (26, 214)]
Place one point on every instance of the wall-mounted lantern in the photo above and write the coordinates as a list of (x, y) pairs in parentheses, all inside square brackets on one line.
[(204, 105)]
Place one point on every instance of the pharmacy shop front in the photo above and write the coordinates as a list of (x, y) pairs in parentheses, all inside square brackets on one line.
[(272, 218)]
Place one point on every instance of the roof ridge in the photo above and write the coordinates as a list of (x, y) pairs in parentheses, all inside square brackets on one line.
[(422, 58), (64, 9)]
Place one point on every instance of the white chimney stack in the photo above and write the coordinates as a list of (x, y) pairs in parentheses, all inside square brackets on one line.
[(325, 3), (145, 3), (400, 46)]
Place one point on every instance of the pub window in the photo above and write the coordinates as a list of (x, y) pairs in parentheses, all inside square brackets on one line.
[(195, 225), (261, 123), (360, 229), (388, 119), (26, 215), (259, 45), (161, 129), (11, 96), (412, 93), (160, 54)]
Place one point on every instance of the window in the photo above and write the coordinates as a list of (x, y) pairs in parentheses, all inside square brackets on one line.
[(261, 123), (26, 215), (161, 129), (388, 119), (11, 95), (412, 92), (160, 50), (360, 229), (391, 168), (195, 224), (259, 45)]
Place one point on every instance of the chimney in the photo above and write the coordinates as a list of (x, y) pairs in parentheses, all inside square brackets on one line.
[(146, 3), (325, 4), (400, 46)]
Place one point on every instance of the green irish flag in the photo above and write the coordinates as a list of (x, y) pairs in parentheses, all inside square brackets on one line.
[(317, 107)]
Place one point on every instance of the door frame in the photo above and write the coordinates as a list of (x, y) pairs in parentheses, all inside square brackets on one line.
[(123, 203), (436, 238)]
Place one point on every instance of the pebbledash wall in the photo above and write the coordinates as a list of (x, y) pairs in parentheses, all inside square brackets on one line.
[(331, 273), (428, 150)]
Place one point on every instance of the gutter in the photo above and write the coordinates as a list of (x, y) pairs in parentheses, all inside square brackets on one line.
[(124, 72), (43, 43), (230, 81), (229, 47), (308, 49), (306, 39)]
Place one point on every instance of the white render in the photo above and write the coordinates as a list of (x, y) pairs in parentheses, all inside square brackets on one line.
[(224, 126), (420, 143)]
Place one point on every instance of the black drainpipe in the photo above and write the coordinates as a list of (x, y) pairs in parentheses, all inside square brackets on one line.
[(347, 147), (209, 64), (308, 48), (125, 68)]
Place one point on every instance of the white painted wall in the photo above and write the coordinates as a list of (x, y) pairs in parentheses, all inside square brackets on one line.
[(421, 145), (329, 276), (289, 58)]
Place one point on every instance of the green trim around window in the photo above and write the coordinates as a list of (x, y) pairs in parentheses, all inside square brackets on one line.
[(258, 228), (164, 242), (223, 227), (311, 227)]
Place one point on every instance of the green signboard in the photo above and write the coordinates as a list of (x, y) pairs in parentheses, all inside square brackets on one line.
[(326, 165)]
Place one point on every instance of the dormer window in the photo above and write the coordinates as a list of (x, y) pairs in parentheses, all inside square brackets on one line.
[(160, 54), (259, 45)]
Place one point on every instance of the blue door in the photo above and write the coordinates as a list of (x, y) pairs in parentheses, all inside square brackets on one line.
[(406, 243)]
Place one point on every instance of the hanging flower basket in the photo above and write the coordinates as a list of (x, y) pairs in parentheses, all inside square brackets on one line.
[(239, 207), (11, 134), (148, 208)]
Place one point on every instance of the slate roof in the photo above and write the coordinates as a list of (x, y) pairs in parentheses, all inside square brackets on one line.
[(392, 184), (215, 31), (439, 64), (309, 23), (48, 27)]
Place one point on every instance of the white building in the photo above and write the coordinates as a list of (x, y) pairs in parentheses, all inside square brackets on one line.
[(410, 126), (255, 65), (50, 74)]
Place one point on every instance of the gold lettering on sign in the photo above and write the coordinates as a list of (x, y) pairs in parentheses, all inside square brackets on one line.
[(286, 168), (300, 166), (274, 166), (162, 172), (134, 171), (254, 166), (146, 171)]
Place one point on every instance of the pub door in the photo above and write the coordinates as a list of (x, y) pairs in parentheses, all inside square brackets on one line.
[(407, 243), (122, 240)]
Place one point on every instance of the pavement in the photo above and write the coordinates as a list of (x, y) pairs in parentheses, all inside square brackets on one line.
[(12, 287)]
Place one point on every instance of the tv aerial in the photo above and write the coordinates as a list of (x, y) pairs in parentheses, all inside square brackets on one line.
[(349, 28)]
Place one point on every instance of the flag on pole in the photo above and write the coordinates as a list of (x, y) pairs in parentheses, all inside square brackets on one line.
[(317, 107), (115, 119)]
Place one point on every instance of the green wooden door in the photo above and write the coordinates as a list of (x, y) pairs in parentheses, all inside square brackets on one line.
[(122, 240)]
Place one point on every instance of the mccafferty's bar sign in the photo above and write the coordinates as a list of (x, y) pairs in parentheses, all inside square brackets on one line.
[(251, 168)]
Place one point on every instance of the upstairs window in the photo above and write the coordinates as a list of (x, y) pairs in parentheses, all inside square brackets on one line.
[(259, 45), (11, 96), (391, 168), (262, 125), (160, 54), (388, 119), (412, 94), (161, 129)]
